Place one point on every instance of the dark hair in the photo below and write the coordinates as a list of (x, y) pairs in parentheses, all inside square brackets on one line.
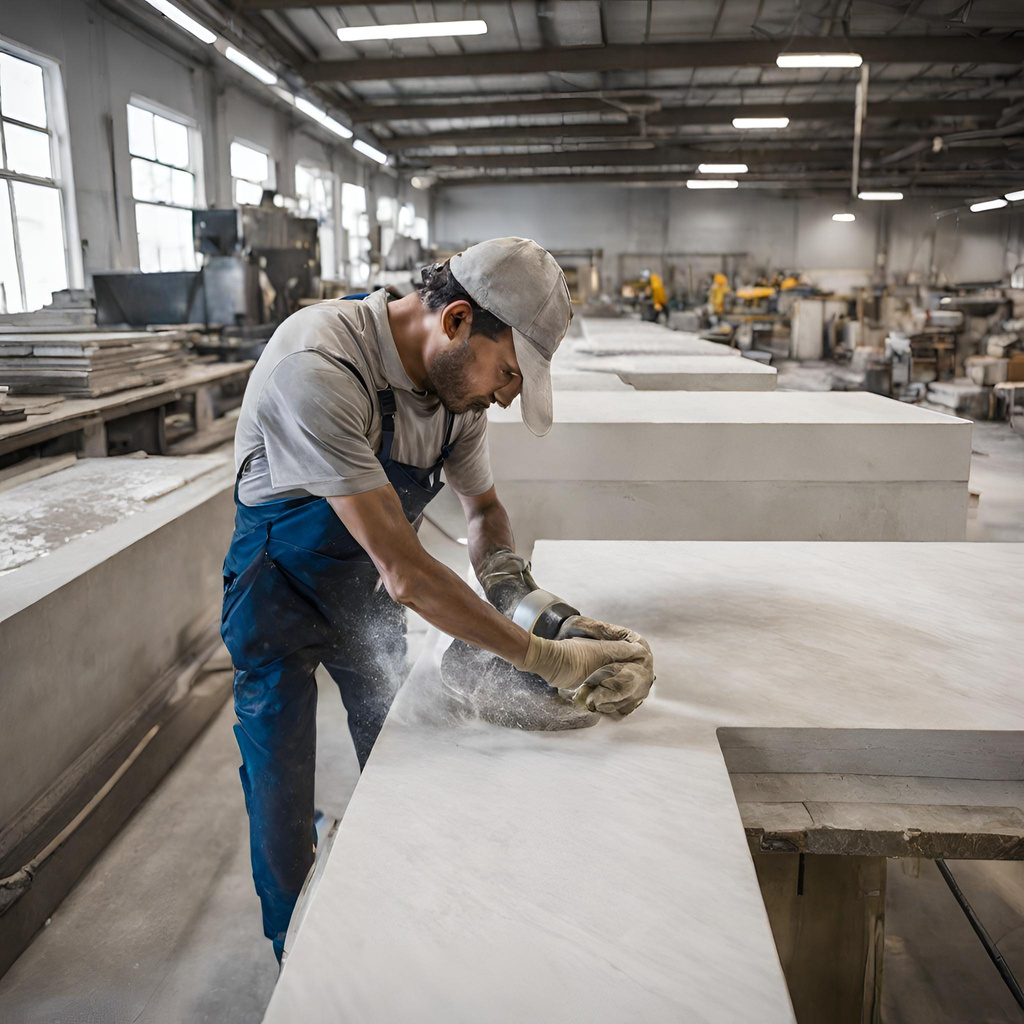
[(440, 288)]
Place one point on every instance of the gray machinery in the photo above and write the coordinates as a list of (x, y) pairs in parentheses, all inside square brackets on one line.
[(237, 245)]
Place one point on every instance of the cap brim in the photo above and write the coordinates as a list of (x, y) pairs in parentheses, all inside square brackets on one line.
[(535, 396)]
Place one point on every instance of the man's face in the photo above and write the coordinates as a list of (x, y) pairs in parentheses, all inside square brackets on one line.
[(470, 371)]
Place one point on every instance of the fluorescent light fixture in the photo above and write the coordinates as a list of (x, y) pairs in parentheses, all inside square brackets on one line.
[(760, 122), (1014, 196), (844, 218), (248, 64), (367, 150), (422, 181), (412, 30), (722, 168), (819, 60), (988, 204), (182, 20), (712, 183), (337, 127), (310, 110), (880, 197)]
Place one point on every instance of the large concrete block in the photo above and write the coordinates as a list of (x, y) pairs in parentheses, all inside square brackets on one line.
[(490, 870), (732, 466), (88, 626), (686, 373)]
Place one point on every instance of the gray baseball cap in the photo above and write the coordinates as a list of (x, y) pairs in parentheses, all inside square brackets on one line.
[(521, 284)]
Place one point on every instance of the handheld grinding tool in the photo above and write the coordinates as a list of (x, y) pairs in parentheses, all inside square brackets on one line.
[(479, 683)]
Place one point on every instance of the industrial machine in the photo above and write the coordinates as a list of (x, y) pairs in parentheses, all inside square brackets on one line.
[(258, 262)]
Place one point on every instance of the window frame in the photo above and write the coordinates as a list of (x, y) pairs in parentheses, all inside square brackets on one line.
[(195, 164), (270, 182), (57, 131)]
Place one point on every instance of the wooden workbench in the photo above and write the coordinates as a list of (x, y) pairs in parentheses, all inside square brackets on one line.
[(90, 415), (604, 875)]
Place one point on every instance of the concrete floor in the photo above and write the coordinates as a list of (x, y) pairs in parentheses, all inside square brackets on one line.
[(165, 926)]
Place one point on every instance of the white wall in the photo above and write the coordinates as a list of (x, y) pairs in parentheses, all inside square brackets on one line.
[(105, 60), (774, 233)]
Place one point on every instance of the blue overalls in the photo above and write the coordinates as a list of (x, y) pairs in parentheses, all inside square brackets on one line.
[(299, 592)]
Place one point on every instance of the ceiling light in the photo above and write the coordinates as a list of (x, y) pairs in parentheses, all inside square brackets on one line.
[(819, 60), (988, 204), (248, 64), (367, 150), (722, 168), (712, 183), (309, 109), (413, 30), (1014, 196), (844, 218), (337, 127), (422, 180), (880, 197), (182, 20), (760, 122)]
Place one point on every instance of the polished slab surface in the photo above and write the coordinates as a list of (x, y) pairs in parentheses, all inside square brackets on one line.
[(482, 874)]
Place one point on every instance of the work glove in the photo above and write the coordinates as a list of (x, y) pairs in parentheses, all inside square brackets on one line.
[(592, 672), (612, 688)]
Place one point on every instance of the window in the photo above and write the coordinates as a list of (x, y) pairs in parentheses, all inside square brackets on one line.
[(356, 224), (33, 238), (314, 190), (251, 172), (387, 212), (164, 164)]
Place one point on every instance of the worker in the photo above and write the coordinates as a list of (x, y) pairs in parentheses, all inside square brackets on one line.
[(716, 295), (349, 415), (655, 301)]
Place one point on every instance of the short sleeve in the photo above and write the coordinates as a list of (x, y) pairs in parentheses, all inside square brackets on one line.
[(468, 468), (315, 416)]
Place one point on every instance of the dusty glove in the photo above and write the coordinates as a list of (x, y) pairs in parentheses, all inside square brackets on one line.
[(613, 688), (568, 664)]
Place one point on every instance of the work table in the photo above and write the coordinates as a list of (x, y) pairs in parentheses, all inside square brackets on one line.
[(603, 875)]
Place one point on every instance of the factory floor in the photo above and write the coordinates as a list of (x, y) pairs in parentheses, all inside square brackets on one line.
[(165, 925)]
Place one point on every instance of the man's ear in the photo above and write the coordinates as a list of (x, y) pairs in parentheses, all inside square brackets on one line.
[(457, 316)]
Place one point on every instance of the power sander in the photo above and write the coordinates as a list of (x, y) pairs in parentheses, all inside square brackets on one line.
[(480, 684)]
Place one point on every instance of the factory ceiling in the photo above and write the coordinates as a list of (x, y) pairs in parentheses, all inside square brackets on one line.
[(644, 90)]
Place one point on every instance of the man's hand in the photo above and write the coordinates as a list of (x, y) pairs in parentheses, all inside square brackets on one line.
[(613, 688)]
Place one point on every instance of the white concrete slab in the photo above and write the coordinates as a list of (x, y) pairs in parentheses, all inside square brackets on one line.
[(603, 876), (88, 626), (583, 380), (687, 373), (637, 337)]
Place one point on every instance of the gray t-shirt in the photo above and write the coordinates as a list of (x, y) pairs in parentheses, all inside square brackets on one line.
[(311, 427)]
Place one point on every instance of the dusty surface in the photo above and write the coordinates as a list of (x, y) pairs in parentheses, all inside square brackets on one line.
[(42, 515)]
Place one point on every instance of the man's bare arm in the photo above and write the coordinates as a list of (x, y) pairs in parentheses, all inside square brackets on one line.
[(489, 529), (420, 582)]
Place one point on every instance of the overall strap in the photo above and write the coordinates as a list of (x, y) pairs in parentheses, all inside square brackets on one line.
[(354, 370), (386, 401), (387, 406), (446, 447)]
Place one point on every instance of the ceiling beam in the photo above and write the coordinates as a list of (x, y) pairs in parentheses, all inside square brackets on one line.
[(292, 5), (495, 108), (705, 115), (891, 49), (899, 110), (672, 155), (830, 180)]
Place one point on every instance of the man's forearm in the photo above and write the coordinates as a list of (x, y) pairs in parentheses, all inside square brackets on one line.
[(433, 591), (488, 531)]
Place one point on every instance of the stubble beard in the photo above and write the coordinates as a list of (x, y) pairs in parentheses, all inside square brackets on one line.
[(448, 379)]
